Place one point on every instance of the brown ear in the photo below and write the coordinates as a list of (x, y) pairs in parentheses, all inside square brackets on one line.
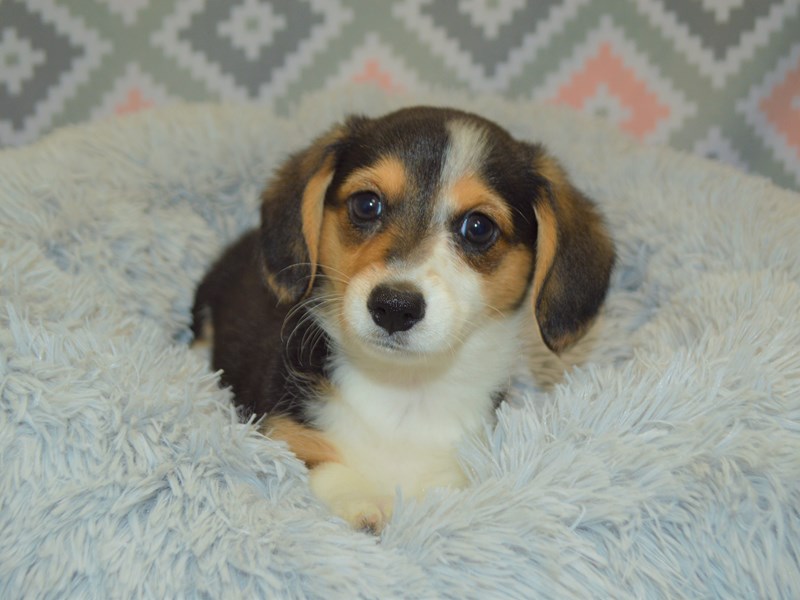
[(574, 257), (291, 215)]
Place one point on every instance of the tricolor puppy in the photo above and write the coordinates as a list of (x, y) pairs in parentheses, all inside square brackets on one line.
[(378, 314)]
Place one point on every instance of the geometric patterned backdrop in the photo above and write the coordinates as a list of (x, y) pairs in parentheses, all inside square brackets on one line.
[(716, 77)]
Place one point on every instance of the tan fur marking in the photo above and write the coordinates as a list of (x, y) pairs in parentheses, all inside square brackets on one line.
[(387, 176), (309, 445), (568, 217), (346, 261), (373, 252), (551, 170), (546, 245), (505, 286), (568, 210), (471, 193), (311, 209), (206, 338), (284, 295)]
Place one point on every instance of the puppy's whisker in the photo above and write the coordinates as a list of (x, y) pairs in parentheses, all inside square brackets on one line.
[(310, 307), (339, 279), (525, 217), (319, 337), (494, 308), (309, 304), (305, 320), (310, 318), (293, 266), (328, 269)]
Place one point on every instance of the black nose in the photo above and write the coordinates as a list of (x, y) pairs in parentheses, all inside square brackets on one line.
[(395, 309)]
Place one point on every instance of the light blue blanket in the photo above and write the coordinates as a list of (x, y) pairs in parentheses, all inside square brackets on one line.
[(659, 458)]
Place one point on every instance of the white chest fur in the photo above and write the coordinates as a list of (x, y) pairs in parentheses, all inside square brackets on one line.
[(399, 425)]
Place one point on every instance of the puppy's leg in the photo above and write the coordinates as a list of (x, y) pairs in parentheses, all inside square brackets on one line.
[(350, 496)]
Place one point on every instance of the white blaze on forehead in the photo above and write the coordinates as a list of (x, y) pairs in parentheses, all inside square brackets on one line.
[(465, 153)]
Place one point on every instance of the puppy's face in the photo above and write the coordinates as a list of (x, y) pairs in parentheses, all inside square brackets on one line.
[(418, 227), (427, 232)]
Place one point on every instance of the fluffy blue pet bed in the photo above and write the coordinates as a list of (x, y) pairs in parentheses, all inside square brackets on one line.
[(659, 458)]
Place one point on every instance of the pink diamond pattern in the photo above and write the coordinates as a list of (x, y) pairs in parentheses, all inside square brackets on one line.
[(610, 66), (773, 110)]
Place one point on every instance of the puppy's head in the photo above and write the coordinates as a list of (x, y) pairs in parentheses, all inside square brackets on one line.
[(409, 231)]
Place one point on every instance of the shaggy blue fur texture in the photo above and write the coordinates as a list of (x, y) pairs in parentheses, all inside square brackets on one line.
[(659, 458)]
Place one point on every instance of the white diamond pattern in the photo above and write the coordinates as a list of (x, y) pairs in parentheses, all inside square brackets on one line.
[(18, 60)]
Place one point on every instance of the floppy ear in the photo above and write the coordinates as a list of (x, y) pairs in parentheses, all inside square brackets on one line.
[(291, 214), (574, 257)]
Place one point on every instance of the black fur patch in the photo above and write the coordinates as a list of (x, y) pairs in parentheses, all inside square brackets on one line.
[(272, 363)]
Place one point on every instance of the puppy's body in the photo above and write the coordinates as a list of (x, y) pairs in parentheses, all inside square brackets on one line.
[(406, 251), (260, 345)]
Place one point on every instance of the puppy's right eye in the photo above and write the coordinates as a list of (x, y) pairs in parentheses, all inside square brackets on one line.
[(365, 208)]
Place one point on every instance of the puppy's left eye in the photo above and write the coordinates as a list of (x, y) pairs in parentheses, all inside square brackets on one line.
[(365, 207), (479, 230)]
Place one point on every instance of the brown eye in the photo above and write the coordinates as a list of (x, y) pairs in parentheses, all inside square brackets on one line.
[(479, 230), (365, 207)]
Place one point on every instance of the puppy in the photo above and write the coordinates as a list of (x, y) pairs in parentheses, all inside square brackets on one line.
[(379, 312)]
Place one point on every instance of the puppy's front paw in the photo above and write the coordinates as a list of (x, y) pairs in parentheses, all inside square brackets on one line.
[(369, 513), (349, 496)]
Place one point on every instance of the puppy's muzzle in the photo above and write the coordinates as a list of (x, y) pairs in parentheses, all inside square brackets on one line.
[(395, 309)]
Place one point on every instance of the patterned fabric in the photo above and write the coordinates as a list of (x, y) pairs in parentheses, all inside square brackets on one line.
[(717, 77)]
